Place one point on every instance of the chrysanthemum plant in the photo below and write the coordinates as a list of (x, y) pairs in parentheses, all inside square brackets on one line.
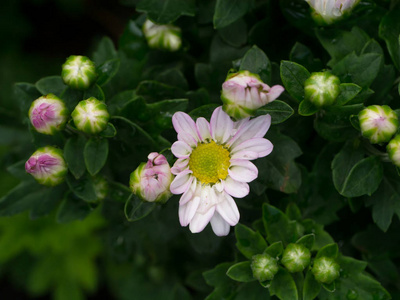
[(256, 121)]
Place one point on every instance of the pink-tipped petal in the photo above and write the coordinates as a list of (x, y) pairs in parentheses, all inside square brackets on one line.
[(180, 165), (208, 199), (221, 125), (236, 188), (274, 92), (182, 122), (189, 194), (181, 149), (245, 154), (187, 211), (228, 210), (200, 221), (187, 138), (242, 170), (204, 128), (219, 225), (181, 182), (261, 146)]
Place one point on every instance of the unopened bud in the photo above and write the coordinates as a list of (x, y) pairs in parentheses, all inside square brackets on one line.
[(48, 114), (325, 269), (321, 88), (78, 72), (393, 149), (91, 116), (264, 267), (151, 180), (326, 12), (296, 258), (378, 123), (47, 166), (100, 187), (164, 37), (244, 92)]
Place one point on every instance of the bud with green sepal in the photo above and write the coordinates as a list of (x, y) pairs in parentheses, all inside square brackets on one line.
[(321, 89), (244, 92), (164, 37), (393, 149), (47, 166), (325, 269), (78, 72), (48, 114), (151, 180), (378, 123), (296, 258), (91, 116), (326, 12), (264, 267), (100, 187)]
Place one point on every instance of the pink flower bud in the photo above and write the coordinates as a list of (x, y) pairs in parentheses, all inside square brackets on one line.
[(244, 92), (47, 166), (151, 180)]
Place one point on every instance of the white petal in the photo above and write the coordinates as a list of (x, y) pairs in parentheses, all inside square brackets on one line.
[(181, 149), (221, 125), (187, 138), (219, 225), (204, 128), (261, 146), (208, 199), (179, 165), (244, 154), (236, 188), (200, 221), (190, 193), (254, 128), (188, 210), (182, 122), (181, 182), (242, 170), (228, 210)]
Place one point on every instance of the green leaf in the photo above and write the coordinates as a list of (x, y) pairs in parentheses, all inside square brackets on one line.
[(275, 249), (217, 278), (94, 91), (73, 155), (95, 154), (166, 11), (158, 91), (331, 287), (307, 241), (105, 51), (72, 209), (283, 286), (347, 92), (135, 109), (293, 77), (311, 287), (249, 242), (241, 272), (330, 251), (132, 41), (136, 209), (51, 85), (83, 188), (256, 61), (71, 98), (280, 111), (302, 55), (228, 11), (22, 197), (389, 30), (293, 212), (234, 34), (107, 71), (204, 111), (173, 77), (109, 132), (49, 200), (307, 108), (25, 93), (322, 238)]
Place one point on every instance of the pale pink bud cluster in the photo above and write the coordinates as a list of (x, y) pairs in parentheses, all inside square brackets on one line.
[(244, 92), (151, 180)]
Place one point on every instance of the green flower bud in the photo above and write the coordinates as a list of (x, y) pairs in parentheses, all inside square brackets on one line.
[(378, 123), (100, 187), (47, 166), (91, 116), (393, 149), (78, 72), (296, 258), (321, 88), (325, 269), (264, 267), (164, 37)]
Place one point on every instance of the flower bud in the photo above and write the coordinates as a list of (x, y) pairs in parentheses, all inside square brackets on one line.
[(244, 92), (321, 88), (48, 114), (378, 123), (393, 149), (100, 187), (325, 269), (78, 72), (264, 267), (326, 12), (151, 180), (296, 258), (47, 166), (91, 116), (164, 37)]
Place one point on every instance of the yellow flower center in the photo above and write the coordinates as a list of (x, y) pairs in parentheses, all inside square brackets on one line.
[(209, 162)]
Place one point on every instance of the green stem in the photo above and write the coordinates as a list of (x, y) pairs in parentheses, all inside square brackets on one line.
[(137, 127)]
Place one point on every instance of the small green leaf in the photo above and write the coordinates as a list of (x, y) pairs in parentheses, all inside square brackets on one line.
[(311, 287), (307, 241), (389, 30), (293, 77), (293, 212), (256, 61), (280, 111), (72, 209), (107, 71), (51, 85), (23, 197), (330, 250), (249, 242), (347, 92), (105, 51), (234, 34), (331, 287), (109, 132), (25, 93), (307, 108), (173, 77), (204, 111), (241, 272), (275, 249), (283, 286), (166, 11), (82, 188), (228, 11), (95, 153), (136, 209), (158, 91), (73, 155), (132, 41), (94, 91)]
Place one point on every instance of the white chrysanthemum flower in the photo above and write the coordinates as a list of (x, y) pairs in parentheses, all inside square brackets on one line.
[(328, 11), (214, 165)]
